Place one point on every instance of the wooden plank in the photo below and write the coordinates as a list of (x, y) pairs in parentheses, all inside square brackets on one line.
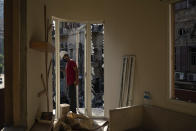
[(42, 46)]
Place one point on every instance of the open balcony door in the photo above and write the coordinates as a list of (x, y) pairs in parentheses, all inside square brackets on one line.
[(86, 29)]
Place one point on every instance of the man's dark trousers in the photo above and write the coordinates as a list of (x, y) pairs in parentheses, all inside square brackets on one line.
[(72, 98)]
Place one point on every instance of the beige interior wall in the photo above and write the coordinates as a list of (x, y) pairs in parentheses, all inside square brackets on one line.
[(138, 27), (131, 27), (35, 60)]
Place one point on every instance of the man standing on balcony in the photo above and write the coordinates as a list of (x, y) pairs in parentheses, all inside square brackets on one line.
[(72, 79)]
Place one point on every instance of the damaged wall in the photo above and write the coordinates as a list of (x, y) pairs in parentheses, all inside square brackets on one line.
[(35, 61), (131, 27), (35, 29)]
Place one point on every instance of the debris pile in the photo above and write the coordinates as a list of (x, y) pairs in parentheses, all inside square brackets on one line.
[(76, 122)]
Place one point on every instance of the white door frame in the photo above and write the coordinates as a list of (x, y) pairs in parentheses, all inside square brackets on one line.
[(87, 72), (87, 64), (57, 67)]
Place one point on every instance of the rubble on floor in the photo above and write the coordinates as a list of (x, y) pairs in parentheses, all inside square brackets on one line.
[(77, 122)]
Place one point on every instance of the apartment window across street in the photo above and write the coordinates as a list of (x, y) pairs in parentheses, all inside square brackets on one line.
[(184, 50)]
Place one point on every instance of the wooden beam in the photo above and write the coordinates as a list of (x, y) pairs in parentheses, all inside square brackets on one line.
[(42, 46)]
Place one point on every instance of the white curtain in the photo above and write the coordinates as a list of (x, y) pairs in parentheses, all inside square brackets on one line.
[(127, 78)]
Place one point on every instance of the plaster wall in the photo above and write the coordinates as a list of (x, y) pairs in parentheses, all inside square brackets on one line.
[(35, 61), (138, 27), (131, 27)]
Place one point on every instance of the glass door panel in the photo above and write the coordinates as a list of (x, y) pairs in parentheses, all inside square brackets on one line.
[(97, 69), (72, 40)]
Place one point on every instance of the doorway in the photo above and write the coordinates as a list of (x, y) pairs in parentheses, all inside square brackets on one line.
[(84, 42)]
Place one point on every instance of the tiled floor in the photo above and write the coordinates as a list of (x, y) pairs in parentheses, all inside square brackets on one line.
[(41, 127)]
